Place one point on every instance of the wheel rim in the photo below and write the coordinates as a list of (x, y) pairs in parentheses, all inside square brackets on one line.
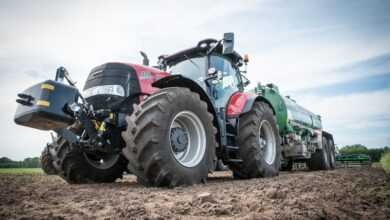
[(187, 138), (101, 161), (267, 142)]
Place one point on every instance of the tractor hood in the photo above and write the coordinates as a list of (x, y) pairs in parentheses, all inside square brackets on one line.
[(112, 83)]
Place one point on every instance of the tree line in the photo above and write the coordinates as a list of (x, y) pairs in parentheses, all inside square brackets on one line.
[(375, 153), (30, 162)]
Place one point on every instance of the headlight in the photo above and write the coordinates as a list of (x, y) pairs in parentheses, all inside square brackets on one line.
[(105, 90)]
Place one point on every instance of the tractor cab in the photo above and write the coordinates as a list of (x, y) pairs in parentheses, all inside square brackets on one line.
[(213, 65)]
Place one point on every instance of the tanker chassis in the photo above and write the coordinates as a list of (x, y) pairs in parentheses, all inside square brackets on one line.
[(171, 124)]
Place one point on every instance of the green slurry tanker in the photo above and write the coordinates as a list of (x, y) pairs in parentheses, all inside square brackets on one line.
[(300, 130), (174, 123)]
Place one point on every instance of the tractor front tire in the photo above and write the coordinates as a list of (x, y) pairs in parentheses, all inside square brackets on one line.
[(47, 161), (78, 167), (259, 144), (170, 139), (320, 159)]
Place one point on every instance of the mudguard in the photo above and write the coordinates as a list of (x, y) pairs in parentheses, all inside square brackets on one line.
[(242, 102)]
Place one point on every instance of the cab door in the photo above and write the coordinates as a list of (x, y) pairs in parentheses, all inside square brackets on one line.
[(228, 84)]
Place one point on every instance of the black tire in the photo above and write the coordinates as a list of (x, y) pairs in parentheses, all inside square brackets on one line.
[(74, 166), (148, 145), (332, 154), (287, 165), (320, 159), (47, 161), (220, 166), (254, 164), (77, 169)]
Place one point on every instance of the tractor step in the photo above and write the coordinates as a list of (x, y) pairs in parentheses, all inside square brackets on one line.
[(232, 147), (235, 160)]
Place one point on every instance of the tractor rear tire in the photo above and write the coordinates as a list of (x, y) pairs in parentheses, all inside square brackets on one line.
[(150, 139), (47, 161), (320, 159), (261, 155)]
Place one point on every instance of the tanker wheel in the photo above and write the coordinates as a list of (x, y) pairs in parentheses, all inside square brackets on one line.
[(170, 139), (259, 144), (320, 159), (332, 156), (47, 161)]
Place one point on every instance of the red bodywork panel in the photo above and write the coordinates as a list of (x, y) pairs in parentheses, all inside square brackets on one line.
[(146, 76), (237, 103)]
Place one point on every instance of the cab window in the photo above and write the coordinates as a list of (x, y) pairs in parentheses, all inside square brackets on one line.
[(229, 83), (193, 68), (230, 76)]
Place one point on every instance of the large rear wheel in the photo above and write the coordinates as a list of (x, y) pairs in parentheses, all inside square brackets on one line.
[(170, 140), (259, 144)]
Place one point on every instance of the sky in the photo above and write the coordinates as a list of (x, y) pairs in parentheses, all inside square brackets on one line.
[(332, 57)]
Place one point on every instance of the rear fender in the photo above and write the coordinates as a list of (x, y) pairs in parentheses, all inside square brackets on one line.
[(242, 102)]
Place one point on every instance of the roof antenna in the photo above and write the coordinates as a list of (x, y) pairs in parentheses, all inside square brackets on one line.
[(145, 61)]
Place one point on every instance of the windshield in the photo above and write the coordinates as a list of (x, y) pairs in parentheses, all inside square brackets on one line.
[(193, 68)]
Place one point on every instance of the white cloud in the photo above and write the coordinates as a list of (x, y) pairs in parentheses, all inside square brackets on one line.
[(353, 118), (314, 63)]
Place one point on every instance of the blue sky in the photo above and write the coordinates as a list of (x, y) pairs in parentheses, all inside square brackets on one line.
[(333, 57)]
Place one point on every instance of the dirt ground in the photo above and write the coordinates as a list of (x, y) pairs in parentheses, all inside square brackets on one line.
[(352, 193)]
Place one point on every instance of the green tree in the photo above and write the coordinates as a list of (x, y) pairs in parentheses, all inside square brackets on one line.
[(354, 149), (5, 162), (374, 153), (31, 162), (385, 161)]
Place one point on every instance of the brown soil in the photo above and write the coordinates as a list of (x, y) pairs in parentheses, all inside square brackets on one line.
[(354, 193)]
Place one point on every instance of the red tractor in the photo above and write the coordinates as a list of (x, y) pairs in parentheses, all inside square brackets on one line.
[(168, 125)]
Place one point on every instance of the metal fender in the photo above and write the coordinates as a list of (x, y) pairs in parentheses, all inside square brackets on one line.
[(242, 102), (239, 103)]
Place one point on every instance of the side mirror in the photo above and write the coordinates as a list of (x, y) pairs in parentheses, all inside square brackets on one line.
[(211, 71), (219, 75), (228, 43)]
